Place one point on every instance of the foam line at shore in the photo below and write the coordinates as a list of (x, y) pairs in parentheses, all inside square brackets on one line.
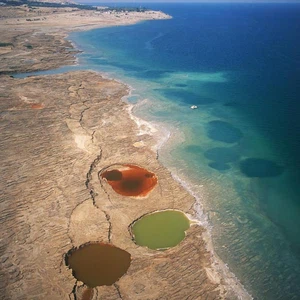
[(220, 269)]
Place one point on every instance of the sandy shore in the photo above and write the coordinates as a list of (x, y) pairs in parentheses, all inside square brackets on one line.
[(57, 134), (73, 19)]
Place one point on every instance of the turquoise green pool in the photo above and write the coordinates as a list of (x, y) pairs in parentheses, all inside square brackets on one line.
[(161, 230)]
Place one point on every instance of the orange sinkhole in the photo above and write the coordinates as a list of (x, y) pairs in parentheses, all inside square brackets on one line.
[(37, 106), (130, 180)]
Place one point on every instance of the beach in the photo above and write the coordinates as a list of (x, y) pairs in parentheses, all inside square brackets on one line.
[(59, 133)]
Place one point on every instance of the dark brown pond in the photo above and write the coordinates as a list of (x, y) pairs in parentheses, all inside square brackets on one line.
[(98, 264), (88, 294), (130, 180)]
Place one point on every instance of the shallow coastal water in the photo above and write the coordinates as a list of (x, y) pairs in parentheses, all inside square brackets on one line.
[(238, 152), (160, 230)]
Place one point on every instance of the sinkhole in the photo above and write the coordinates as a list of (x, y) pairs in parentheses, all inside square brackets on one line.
[(160, 230), (97, 264), (88, 294), (130, 180)]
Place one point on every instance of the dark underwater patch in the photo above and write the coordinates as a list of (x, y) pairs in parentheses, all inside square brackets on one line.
[(125, 66), (257, 167), (231, 104), (181, 85), (186, 97), (219, 166), (193, 149), (221, 154), (223, 132), (153, 73)]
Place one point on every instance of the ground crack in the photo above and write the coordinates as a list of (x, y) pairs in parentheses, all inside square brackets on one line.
[(81, 114), (110, 225), (93, 136), (102, 186), (89, 177), (93, 195), (118, 290), (73, 293)]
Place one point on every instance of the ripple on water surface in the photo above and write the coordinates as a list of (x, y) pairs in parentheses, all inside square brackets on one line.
[(97, 264), (160, 230)]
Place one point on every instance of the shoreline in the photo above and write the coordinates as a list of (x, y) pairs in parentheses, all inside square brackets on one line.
[(26, 36), (147, 141), (219, 271)]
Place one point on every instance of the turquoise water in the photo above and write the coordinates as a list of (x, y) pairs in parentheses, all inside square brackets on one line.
[(238, 152)]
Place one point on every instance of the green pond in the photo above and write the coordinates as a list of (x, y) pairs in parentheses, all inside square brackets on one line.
[(161, 230)]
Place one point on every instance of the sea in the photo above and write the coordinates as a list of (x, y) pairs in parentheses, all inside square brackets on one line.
[(238, 152)]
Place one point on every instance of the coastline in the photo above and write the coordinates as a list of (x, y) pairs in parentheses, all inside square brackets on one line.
[(142, 154), (160, 135), (219, 270), (43, 36)]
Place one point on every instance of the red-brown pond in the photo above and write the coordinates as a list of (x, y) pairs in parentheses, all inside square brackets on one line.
[(88, 294), (97, 264), (37, 106), (130, 180)]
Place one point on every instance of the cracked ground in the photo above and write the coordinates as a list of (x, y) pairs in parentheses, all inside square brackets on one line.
[(57, 133)]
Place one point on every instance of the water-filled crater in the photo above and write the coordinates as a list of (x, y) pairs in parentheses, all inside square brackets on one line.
[(160, 230), (97, 264), (129, 180)]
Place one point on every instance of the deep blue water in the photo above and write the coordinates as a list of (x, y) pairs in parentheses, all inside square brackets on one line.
[(240, 64)]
